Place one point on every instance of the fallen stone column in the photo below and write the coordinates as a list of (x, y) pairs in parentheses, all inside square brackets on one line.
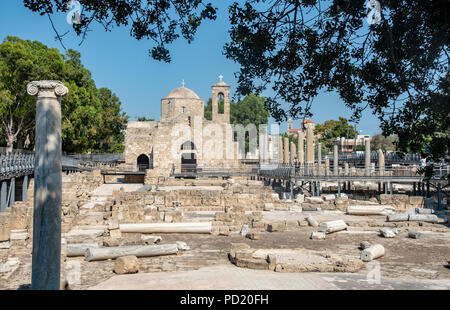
[(414, 234), (312, 221), (401, 217), (79, 249), (373, 252), (424, 211), (366, 210), (431, 218), (332, 226), (364, 245), (193, 228), (388, 232), (93, 254), (317, 235)]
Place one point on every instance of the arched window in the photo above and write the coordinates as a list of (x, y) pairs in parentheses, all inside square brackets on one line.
[(188, 146), (220, 103)]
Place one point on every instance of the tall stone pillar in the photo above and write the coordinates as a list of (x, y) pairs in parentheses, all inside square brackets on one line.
[(381, 163), (286, 150), (280, 150), (46, 260), (309, 146), (327, 165), (335, 159), (300, 151), (367, 157), (293, 153), (319, 158), (270, 150)]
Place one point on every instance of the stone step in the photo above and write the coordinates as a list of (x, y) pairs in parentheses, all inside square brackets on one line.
[(90, 227), (91, 219), (99, 198), (85, 233), (91, 204), (198, 219)]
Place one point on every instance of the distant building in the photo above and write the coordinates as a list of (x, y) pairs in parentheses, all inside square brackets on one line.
[(305, 124), (349, 145)]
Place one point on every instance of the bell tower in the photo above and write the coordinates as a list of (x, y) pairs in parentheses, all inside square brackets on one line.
[(221, 93)]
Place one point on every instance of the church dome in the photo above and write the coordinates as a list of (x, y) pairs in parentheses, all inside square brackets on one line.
[(182, 93)]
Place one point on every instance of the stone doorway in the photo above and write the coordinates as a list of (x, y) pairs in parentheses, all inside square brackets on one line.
[(188, 163), (143, 162)]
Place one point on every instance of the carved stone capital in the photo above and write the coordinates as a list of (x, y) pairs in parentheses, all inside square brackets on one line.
[(47, 88)]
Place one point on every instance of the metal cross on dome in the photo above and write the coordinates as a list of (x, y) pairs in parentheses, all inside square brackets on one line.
[(182, 83), (220, 77)]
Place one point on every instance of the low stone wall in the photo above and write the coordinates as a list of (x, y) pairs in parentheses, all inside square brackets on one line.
[(166, 203), (75, 192)]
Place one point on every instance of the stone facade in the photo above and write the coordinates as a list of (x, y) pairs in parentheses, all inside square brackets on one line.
[(183, 138)]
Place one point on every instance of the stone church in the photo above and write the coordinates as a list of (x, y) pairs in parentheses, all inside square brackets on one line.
[(183, 139)]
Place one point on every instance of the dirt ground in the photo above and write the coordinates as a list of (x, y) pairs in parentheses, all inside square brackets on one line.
[(406, 258)]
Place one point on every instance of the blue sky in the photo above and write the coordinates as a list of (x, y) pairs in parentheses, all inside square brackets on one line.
[(122, 63)]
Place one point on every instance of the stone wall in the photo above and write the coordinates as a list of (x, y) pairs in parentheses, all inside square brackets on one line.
[(76, 190)]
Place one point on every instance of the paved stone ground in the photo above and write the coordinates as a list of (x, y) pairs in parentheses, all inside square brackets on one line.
[(227, 277), (408, 263)]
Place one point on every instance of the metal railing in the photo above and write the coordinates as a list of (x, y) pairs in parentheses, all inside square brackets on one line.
[(392, 157), (98, 157), (16, 163), (200, 170), (283, 171)]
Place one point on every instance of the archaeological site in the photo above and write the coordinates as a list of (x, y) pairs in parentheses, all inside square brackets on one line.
[(215, 153), (162, 219)]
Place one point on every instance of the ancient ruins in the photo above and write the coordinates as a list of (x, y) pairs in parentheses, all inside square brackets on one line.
[(369, 219)]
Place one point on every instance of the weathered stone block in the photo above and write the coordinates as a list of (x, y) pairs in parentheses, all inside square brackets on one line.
[(258, 224), (126, 265), (279, 226), (18, 217), (254, 236), (314, 200), (115, 233), (317, 235), (5, 227), (258, 264)]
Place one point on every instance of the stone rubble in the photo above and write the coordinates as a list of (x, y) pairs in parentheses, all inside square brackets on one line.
[(91, 219)]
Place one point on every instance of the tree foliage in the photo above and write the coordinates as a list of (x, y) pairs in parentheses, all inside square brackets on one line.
[(250, 110), (162, 21), (91, 118), (144, 119), (397, 68), (386, 144), (331, 130)]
